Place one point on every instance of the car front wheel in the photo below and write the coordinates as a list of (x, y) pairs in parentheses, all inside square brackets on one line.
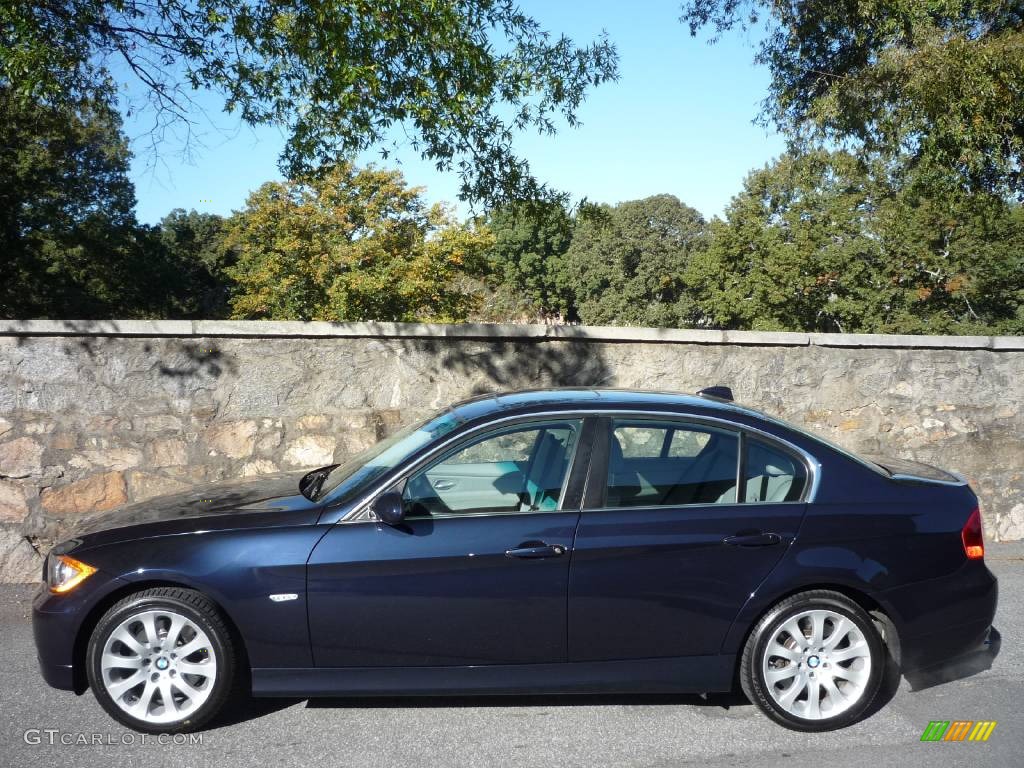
[(814, 662), (161, 660)]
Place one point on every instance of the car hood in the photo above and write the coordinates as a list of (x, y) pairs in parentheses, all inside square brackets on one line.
[(263, 501)]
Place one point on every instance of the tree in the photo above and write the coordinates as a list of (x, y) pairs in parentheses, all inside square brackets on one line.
[(194, 245), (350, 244), (626, 263), (942, 79), (955, 261), (458, 77), (529, 241), (69, 242), (823, 242)]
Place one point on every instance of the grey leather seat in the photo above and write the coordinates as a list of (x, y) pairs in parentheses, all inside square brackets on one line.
[(773, 485)]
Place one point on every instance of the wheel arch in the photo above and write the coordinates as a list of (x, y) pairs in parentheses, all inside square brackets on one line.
[(740, 631), (85, 629)]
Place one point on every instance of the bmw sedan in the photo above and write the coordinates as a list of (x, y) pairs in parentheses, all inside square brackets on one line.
[(555, 541)]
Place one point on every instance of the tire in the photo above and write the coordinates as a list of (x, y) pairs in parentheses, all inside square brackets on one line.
[(823, 680), (131, 675)]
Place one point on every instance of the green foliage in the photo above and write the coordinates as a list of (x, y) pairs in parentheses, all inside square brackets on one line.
[(193, 244), (69, 242), (942, 78), (529, 241), (350, 244), (626, 263), (821, 242), (457, 76)]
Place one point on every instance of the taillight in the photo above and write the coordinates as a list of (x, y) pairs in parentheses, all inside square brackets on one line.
[(973, 537)]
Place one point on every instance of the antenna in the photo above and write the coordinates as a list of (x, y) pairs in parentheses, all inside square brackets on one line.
[(719, 392)]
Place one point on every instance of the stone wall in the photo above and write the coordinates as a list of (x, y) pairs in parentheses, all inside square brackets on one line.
[(97, 415)]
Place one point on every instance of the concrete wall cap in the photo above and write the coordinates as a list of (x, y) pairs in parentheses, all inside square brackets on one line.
[(509, 332)]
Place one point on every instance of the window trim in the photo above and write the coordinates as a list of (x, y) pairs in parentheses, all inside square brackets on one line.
[(358, 510)]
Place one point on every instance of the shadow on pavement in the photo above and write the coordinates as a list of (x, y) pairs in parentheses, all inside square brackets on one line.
[(244, 710)]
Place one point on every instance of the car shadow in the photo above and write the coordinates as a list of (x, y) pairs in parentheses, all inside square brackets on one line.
[(244, 710)]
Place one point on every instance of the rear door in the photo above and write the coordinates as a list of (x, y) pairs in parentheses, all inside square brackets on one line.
[(681, 522)]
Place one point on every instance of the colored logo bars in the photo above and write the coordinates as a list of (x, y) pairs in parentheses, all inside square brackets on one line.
[(958, 730)]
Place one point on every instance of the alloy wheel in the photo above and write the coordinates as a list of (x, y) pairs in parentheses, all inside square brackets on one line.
[(158, 666), (817, 664)]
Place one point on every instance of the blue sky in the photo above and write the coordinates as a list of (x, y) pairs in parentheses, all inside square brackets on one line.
[(679, 120)]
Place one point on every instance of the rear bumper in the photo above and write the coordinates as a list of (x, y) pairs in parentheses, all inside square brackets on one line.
[(977, 660), (944, 619)]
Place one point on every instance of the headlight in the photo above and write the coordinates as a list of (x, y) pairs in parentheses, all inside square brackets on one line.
[(64, 573)]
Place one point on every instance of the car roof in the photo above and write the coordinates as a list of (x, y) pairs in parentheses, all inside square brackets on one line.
[(590, 397), (587, 398)]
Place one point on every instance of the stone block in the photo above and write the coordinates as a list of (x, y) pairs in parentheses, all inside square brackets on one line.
[(172, 452), (13, 505), (19, 561), (234, 439), (110, 458), (258, 467), (268, 443), (146, 485), (22, 457), (314, 422), (310, 451), (95, 493)]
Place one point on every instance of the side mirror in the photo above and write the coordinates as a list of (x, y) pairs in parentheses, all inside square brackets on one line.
[(389, 508)]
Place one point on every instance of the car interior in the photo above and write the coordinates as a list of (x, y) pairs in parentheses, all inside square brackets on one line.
[(519, 470), (650, 464), (664, 465)]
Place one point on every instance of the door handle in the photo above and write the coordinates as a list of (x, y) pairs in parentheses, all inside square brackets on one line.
[(537, 551), (443, 485), (753, 540)]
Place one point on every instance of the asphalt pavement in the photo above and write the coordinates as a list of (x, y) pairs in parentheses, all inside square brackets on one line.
[(45, 727)]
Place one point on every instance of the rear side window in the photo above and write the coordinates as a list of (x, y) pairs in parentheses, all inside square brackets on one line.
[(772, 475), (670, 464)]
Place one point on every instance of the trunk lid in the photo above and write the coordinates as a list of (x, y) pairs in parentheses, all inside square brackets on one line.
[(906, 469)]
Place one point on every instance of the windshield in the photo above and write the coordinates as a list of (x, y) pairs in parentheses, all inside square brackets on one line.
[(349, 479)]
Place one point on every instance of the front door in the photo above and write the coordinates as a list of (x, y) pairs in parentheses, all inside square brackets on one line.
[(476, 574), (667, 554)]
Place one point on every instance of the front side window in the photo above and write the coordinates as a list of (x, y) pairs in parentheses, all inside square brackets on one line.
[(670, 464), (517, 469)]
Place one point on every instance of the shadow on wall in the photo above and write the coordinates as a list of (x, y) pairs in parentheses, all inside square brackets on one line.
[(198, 360), (501, 365), (191, 359)]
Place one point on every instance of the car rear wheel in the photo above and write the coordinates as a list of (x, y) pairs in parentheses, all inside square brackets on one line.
[(814, 662), (161, 660)]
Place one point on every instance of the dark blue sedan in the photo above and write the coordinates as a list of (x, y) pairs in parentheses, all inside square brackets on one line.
[(548, 541)]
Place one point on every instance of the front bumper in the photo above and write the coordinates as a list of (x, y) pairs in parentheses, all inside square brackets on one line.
[(57, 624)]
